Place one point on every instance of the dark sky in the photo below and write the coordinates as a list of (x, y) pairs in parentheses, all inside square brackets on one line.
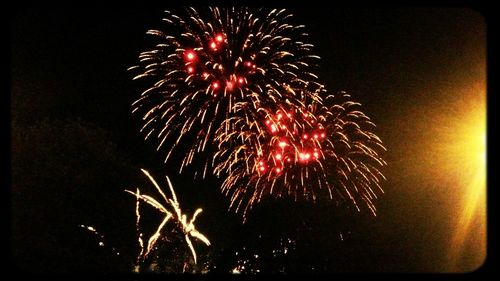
[(404, 65)]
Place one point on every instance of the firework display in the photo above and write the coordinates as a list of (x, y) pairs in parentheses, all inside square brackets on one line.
[(321, 150), (172, 211), (202, 72), (241, 81)]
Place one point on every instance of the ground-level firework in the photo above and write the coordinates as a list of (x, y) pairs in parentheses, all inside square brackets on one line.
[(172, 212)]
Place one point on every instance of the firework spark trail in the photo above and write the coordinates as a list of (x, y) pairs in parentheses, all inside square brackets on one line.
[(212, 64), (172, 210), (100, 237), (322, 149)]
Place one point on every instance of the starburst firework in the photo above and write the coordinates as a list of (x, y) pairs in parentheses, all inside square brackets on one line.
[(322, 149), (213, 64)]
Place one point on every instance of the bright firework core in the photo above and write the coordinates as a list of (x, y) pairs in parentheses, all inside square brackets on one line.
[(318, 150), (213, 72), (293, 145)]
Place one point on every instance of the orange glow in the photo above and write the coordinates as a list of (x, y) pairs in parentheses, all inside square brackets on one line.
[(459, 156), (474, 204)]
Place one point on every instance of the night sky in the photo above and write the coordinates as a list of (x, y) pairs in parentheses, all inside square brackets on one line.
[(418, 72)]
